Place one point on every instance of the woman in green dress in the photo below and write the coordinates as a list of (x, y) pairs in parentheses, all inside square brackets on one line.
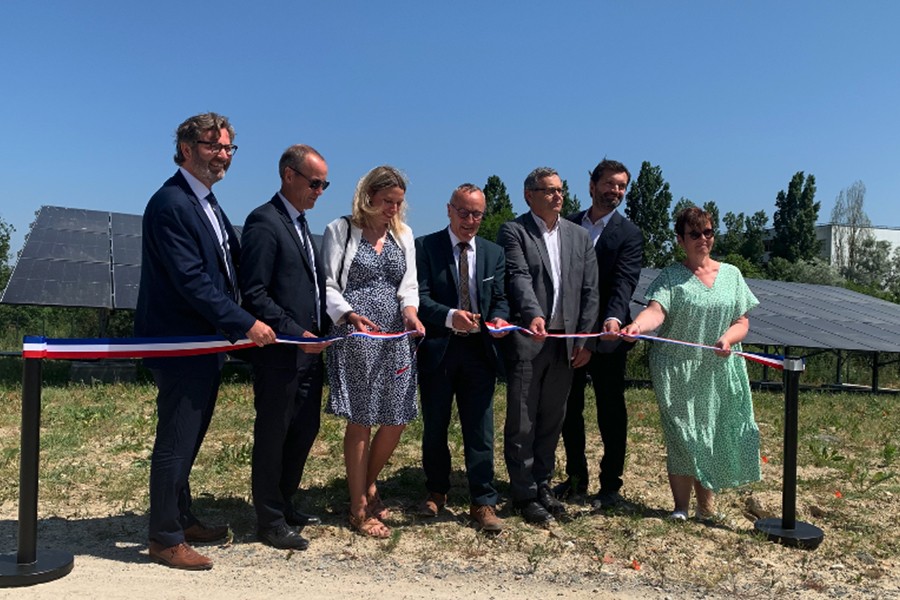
[(706, 410)]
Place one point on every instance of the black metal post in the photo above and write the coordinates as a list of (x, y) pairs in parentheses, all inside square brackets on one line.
[(787, 530), (29, 567)]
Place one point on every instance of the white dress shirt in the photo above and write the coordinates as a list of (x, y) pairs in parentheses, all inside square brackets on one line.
[(553, 240)]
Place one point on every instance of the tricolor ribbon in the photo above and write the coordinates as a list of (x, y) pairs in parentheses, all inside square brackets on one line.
[(769, 360), (62, 348)]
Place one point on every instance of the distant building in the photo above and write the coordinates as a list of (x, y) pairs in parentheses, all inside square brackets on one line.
[(829, 236)]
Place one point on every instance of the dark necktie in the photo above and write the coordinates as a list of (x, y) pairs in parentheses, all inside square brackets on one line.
[(304, 236), (306, 240), (226, 249), (465, 302)]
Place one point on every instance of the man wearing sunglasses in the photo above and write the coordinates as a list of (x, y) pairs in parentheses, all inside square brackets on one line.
[(283, 284), (189, 257), (619, 246), (461, 279)]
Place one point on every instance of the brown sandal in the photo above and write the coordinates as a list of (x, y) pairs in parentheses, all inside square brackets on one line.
[(376, 508), (369, 526)]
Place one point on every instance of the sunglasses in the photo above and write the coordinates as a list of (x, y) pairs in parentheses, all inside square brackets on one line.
[(314, 184), (695, 235)]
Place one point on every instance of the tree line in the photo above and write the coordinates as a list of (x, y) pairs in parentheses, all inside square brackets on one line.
[(862, 262)]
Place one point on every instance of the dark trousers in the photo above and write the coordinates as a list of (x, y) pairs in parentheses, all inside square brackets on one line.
[(465, 372), (535, 409), (607, 373), (184, 406), (288, 407)]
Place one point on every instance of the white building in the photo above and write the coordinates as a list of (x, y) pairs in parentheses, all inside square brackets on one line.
[(830, 235)]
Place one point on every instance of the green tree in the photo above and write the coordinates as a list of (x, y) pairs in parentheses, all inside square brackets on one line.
[(743, 236), (498, 208), (851, 226), (796, 214), (803, 271), (6, 231), (872, 266), (647, 206), (571, 205)]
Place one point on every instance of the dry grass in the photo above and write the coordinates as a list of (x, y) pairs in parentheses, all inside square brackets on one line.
[(96, 443)]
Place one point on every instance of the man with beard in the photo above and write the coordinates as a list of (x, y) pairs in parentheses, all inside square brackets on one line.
[(189, 257), (619, 245)]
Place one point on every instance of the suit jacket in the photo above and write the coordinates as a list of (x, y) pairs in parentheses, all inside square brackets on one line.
[(529, 286), (439, 292), (278, 284), (620, 254), (185, 288)]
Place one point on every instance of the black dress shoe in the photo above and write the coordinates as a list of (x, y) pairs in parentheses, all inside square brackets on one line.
[(283, 537), (549, 501), (533, 512), (296, 518), (609, 501), (566, 489)]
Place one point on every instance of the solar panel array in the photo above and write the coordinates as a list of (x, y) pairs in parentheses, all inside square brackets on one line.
[(86, 258)]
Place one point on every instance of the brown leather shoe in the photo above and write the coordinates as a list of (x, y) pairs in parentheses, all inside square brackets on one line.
[(180, 556), (432, 504), (485, 518), (198, 533)]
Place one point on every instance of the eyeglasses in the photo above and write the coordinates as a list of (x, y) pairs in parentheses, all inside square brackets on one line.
[(314, 184), (550, 190), (465, 214), (216, 147), (695, 235)]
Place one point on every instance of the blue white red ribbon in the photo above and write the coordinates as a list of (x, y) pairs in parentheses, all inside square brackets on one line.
[(769, 360), (61, 348)]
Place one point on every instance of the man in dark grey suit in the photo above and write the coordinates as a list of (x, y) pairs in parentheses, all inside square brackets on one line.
[(461, 287), (619, 245), (283, 284), (551, 272)]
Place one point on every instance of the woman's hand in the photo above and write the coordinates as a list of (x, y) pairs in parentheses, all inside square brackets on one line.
[(411, 321), (723, 348), (360, 323), (629, 331)]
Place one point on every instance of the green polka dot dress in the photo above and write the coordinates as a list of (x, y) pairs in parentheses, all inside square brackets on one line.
[(704, 399)]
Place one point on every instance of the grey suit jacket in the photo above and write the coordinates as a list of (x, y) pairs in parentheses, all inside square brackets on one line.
[(529, 285)]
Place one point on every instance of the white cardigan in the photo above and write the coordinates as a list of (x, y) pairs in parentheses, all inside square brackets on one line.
[(337, 267)]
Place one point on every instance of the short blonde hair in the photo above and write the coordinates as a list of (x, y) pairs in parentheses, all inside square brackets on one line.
[(379, 178)]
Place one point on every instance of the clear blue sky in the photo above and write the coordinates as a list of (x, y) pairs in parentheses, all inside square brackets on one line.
[(730, 99)]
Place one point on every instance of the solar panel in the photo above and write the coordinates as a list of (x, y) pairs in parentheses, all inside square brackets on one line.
[(85, 258)]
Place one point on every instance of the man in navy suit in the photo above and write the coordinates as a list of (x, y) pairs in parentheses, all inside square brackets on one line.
[(619, 245), (461, 280), (551, 284), (283, 284), (189, 259)]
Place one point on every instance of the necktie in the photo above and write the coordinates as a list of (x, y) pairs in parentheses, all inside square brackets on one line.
[(306, 240), (465, 302), (226, 249), (304, 236)]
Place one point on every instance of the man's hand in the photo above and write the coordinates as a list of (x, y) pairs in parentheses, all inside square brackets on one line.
[(498, 322), (580, 357), (538, 328), (610, 330), (261, 334), (314, 348), (464, 320)]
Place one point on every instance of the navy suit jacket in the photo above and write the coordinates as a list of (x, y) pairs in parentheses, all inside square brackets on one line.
[(278, 284), (620, 254), (439, 292), (185, 289)]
